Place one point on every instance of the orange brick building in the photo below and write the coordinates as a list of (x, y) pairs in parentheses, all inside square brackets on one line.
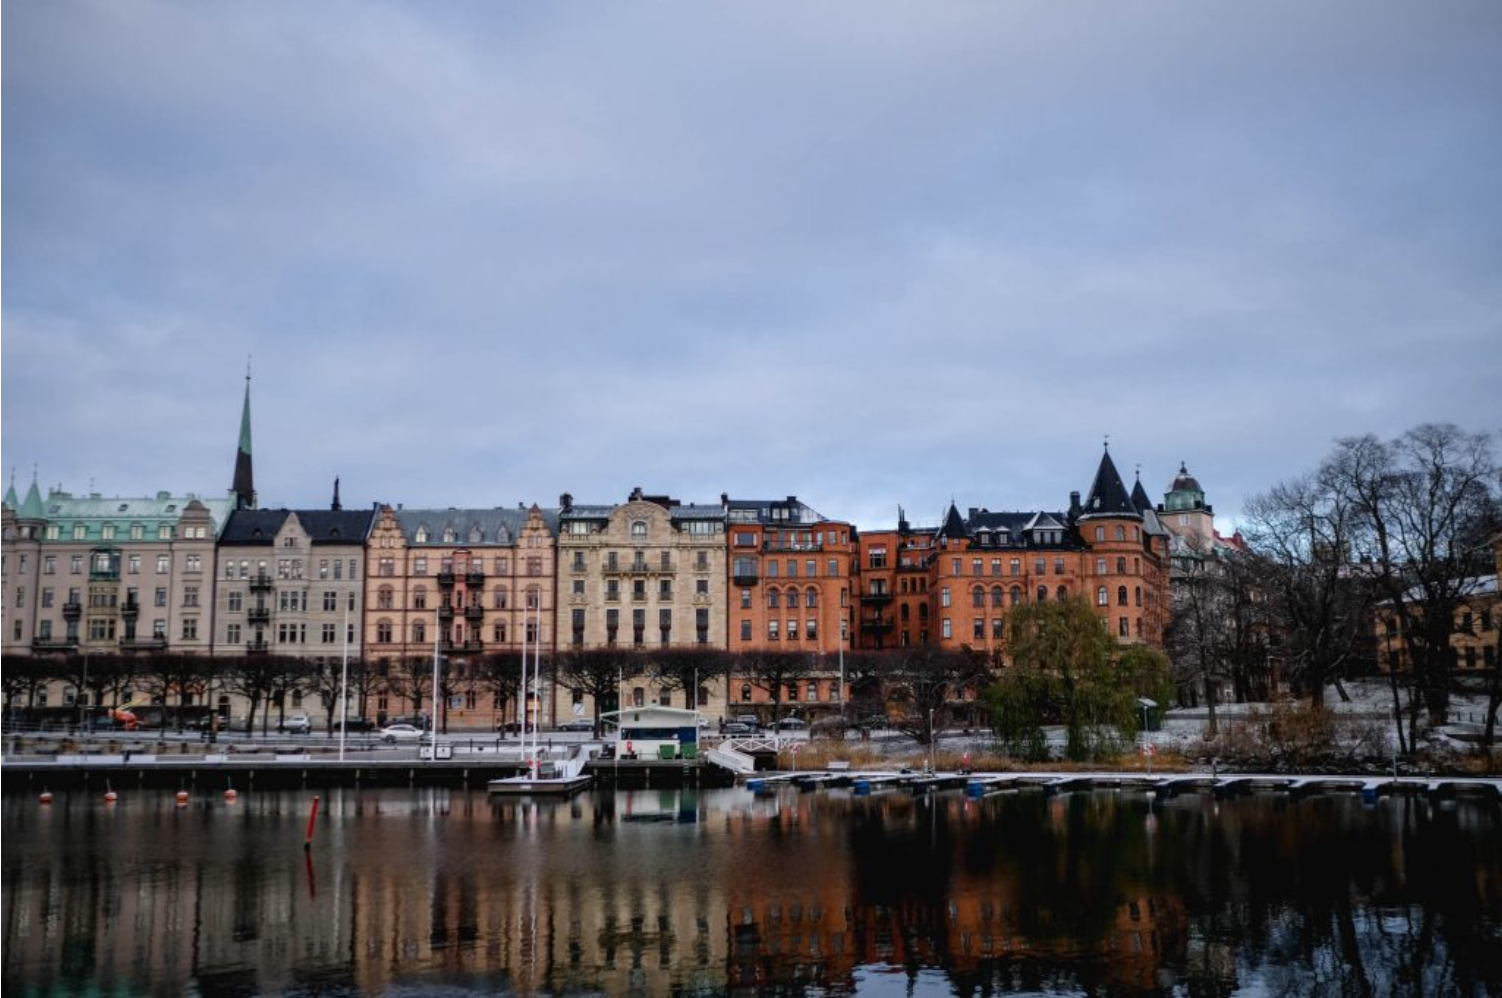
[(952, 585), (790, 590)]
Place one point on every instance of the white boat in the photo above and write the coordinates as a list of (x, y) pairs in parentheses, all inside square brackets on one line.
[(557, 778)]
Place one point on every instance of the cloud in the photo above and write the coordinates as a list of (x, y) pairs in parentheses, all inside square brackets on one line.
[(869, 254)]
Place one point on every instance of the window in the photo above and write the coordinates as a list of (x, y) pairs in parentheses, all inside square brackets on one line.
[(639, 590), (701, 561), (1121, 533), (945, 629), (792, 568), (665, 624), (1120, 566), (384, 598), (745, 599), (534, 566), (420, 598), (834, 568), (132, 565), (1100, 533), (772, 567), (944, 596), (772, 630), (46, 597), (1121, 595), (745, 692), (774, 599), (499, 599), (996, 597), (330, 634), (419, 632), (579, 561), (1100, 566), (1122, 629), (701, 587), (161, 596), (638, 529), (977, 597), (235, 601), (1058, 566), (612, 590), (638, 626), (977, 567), (1042, 594), (232, 634), (1016, 566), (577, 589), (664, 589), (190, 628), (49, 564), (745, 540), (1137, 595), (745, 630), (978, 628), (811, 629), (383, 632), (1016, 595), (998, 628), (163, 564), (1102, 598), (339, 566), (878, 556), (386, 566), (190, 595), (792, 595), (75, 564)]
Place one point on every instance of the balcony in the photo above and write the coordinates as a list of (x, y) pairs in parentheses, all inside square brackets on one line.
[(876, 599), (258, 615), (257, 648), (111, 574), (641, 568), (130, 609), (445, 580), (143, 644), (744, 579), (792, 546), (54, 644), (475, 580), (446, 612), (261, 583), (474, 612), (472, 645), (72, 611), (877, 626)]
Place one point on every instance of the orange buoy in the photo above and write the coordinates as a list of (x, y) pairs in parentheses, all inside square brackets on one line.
[(230, 794), (182, 798), (110, 797), (45, 797)]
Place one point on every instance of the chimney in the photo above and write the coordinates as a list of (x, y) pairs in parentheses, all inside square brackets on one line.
[(566, 502)]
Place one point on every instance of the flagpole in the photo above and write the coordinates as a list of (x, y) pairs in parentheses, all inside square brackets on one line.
[(433, 721), (344, 686)]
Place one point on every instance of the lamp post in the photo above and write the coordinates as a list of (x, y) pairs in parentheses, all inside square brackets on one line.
[(344, 686)]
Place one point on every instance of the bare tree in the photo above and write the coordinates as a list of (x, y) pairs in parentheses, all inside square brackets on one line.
[(927, 687), (597, 673), (688, 669), (1427, 502), (411, 678), (774, 672)]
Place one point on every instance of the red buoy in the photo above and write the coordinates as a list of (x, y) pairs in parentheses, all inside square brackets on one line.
[(182, 798), (45, 797)]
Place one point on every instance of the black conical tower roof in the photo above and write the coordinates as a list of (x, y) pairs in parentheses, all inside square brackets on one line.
[(954, 524), (1139, 497), (1108, 496)]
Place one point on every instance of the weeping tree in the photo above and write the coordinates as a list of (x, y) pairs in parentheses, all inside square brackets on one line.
[(1064, 670)]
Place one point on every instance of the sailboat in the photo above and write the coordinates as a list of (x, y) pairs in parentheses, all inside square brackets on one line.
[(544, 777)]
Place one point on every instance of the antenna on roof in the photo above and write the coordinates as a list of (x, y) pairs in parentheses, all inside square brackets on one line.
[(1107, 444)]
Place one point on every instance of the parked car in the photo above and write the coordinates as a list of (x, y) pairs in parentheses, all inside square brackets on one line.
[(297, 724), (393, 733), (577, 724), (792, 725), (736, 729), (749, 720), (357, 725)]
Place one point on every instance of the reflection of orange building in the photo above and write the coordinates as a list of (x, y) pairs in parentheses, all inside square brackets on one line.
[(952, 585), (790, 578)]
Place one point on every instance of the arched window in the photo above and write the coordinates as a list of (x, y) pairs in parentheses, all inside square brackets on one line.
[(1121, 596), (1102, 597), (902, 611), (1061, 594), (420, 598), (1016, 595), (1100, 533), (996, 598), (977, 597), (638, 529), (811, 598), (774, 599), (1042, 594), (923, 611), (792, 595), (1121, 533), (1138, 595)]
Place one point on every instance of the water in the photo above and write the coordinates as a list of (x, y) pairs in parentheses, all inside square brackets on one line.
[(663, 892)]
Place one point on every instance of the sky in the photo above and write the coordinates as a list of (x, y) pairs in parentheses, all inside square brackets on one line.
[(871, 254)]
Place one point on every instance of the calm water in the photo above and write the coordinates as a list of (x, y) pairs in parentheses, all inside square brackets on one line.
[(662, 892)]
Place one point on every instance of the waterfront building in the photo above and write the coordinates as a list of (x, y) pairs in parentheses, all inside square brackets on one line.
[(791, 573), (290, 583), (469, 584), (95, 575), (646, 575), (1476, 637), (951, 585)]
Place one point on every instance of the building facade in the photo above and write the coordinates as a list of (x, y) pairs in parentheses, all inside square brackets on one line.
[(89, 574), (644, 575), (951, 586), (790, 582), (462, 583), (290, 582)]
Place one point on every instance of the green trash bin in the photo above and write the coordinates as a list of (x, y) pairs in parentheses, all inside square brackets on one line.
[(667, 752), (690, 751)]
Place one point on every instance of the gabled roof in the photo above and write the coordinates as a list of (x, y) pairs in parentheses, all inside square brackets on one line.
[(493, 527), (323, 526), (1108, 496)]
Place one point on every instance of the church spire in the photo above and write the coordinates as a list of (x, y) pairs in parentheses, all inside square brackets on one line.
[(336, 505), (1108, 495), (244, 487)]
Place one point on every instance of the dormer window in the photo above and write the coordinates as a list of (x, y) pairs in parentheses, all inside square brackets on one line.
[(449, 535), (638, 528), (421, 537), (475, 535)]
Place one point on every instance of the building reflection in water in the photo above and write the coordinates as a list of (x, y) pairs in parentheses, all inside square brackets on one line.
[(651, 892)]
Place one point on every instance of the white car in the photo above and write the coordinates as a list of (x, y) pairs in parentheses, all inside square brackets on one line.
[(393, 733), (297, 724)]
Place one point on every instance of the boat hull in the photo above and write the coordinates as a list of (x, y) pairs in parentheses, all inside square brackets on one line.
[(519, 786)]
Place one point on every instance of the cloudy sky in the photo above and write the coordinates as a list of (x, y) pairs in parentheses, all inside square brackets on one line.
[(871, 254)]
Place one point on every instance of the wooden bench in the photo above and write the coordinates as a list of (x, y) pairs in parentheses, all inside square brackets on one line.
[(839, 766)]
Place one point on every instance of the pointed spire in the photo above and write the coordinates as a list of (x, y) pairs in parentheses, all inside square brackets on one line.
[(336, 505), (244, 488), (31, 508), (954, 524), (10, 494), (1108, 496)]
